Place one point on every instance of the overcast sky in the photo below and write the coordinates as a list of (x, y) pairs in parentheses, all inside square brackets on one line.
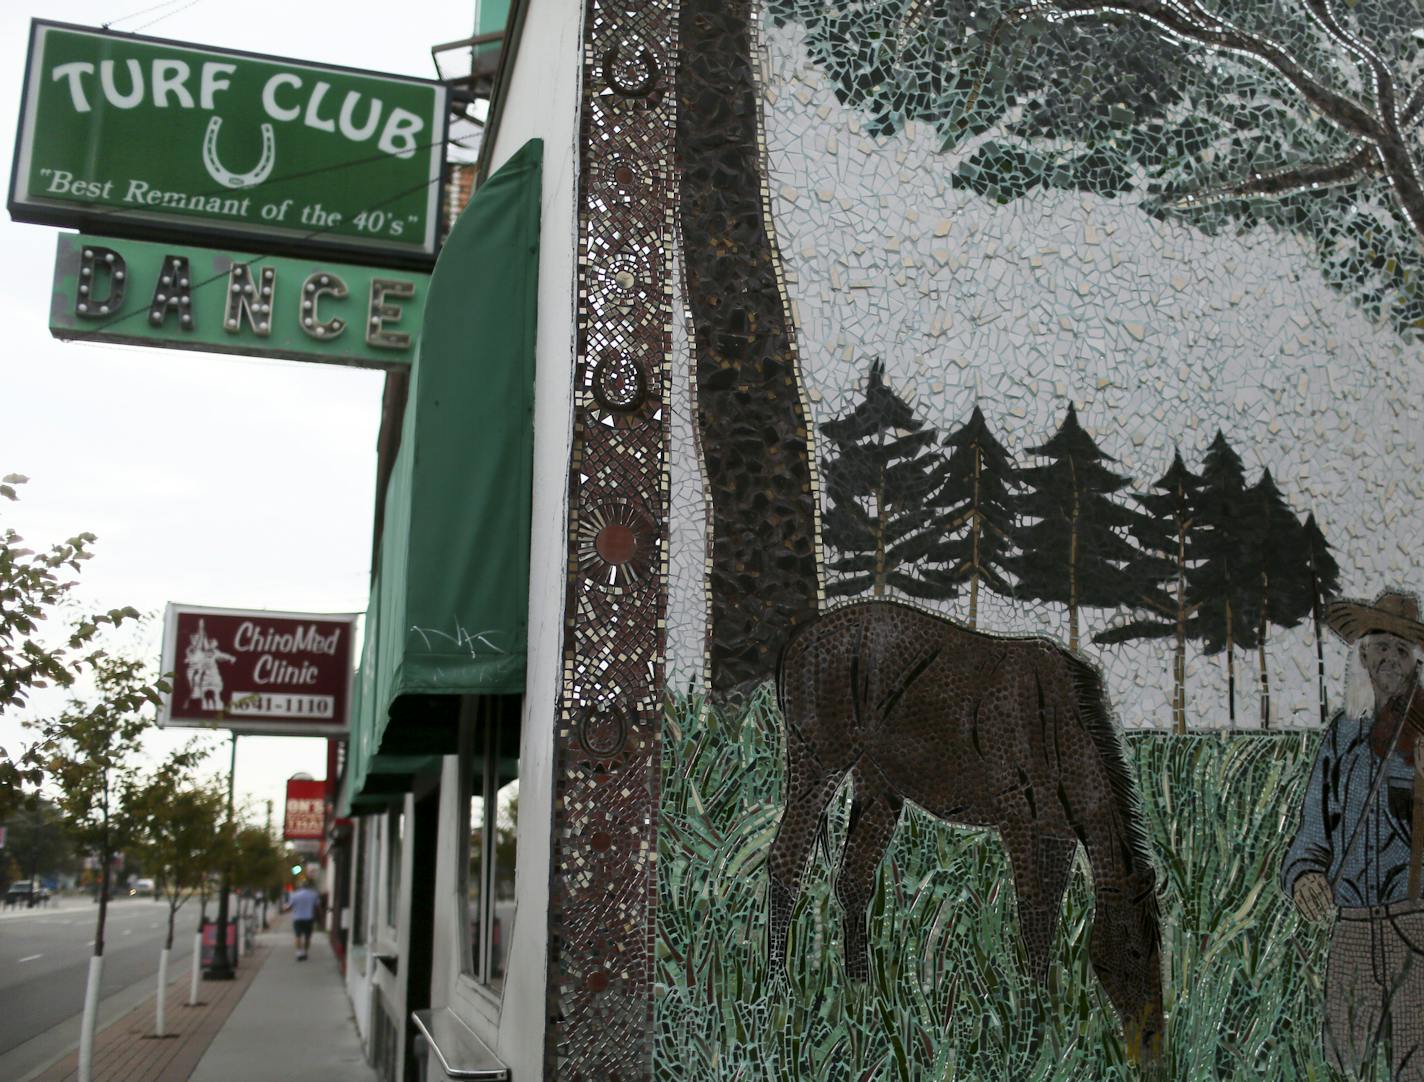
[(208, 479)]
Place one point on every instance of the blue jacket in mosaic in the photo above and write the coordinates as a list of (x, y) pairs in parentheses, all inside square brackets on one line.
[(1373, 868)]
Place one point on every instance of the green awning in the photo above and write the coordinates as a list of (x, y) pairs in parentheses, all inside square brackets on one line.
[(449, 602)]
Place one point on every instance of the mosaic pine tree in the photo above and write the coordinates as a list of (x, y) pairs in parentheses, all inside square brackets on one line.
[(1324, 584), (1072, 545), (877, 481), (1224, 584), (977, 512), (1166, 537), (1282, 572)]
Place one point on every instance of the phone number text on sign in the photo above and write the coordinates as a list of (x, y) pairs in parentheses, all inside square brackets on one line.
[(261, 704)]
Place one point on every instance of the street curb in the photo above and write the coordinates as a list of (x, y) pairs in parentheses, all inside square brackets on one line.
[(125, 1049), (45, 1049)]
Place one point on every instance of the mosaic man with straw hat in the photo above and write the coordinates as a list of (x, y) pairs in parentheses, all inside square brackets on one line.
[(1357, 853)]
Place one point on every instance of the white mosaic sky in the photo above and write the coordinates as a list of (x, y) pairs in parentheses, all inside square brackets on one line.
[(1157, 333)]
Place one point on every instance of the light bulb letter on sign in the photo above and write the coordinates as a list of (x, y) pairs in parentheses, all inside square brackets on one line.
[(173, 292), (93, 300), (318, 285), (249, 300), (380, 313)]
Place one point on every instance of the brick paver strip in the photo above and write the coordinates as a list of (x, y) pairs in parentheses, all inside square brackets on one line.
[(127, 1050)]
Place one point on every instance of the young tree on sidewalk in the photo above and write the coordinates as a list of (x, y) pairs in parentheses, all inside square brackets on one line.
[(258, 862), (93, 759), (180, 825), (33, 586)]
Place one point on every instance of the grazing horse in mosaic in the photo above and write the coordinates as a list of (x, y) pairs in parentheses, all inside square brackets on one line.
[(1010, 734)]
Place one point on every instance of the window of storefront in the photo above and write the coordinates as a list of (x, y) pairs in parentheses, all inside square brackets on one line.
[(491, 768), (360, 854), (395, 835)]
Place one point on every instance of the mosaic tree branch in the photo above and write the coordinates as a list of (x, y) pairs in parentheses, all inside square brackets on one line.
[(1360, 163), (1378, 125), (751, 417)]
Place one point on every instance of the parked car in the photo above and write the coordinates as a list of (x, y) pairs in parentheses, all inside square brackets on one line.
[(141, 888), (26, 892)]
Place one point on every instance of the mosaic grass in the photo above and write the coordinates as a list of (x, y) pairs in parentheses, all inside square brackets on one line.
[(948, 996)]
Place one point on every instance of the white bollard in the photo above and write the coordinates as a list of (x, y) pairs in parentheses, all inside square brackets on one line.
[(197, 968), (159, 1029), (91, 1017)]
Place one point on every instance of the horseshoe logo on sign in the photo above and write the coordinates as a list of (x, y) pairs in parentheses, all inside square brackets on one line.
[(226, 177)]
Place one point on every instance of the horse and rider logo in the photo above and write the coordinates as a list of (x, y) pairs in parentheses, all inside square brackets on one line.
[(201, 660)]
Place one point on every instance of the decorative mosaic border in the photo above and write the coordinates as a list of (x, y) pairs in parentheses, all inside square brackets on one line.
[(604, 893)]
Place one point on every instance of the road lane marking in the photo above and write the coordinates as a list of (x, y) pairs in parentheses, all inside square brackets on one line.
[(31, 958)]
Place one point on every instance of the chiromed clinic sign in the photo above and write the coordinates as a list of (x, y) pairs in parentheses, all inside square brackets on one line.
[(254, 671), (120, 133)]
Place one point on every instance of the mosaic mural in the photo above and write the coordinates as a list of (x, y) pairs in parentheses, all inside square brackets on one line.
[(1159, 327), (603, 889), (751, 417), (1043, 374), (984, 731)]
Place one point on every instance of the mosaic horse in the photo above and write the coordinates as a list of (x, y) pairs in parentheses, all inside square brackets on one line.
[(1011, 734)]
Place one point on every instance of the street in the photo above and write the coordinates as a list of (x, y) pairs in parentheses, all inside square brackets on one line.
[(44, 958)]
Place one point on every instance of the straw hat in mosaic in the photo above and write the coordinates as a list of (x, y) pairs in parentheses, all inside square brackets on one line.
[(1392, 613)]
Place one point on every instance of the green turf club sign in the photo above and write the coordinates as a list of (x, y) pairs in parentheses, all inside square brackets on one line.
[(127, 135)]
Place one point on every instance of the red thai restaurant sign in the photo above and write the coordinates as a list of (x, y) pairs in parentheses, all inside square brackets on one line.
[(254, 671), (306, 810)]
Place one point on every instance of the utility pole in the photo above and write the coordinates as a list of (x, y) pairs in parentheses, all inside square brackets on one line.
[(221, 969), (266, 890)]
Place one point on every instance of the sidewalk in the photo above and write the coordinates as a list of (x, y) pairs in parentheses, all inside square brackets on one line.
[(279, 1019), (295, 1022)]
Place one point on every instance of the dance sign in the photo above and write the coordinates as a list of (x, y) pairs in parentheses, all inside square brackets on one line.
[(254, 671)]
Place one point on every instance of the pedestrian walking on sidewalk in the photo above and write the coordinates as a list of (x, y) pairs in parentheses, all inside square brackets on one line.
[(303, 903)]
